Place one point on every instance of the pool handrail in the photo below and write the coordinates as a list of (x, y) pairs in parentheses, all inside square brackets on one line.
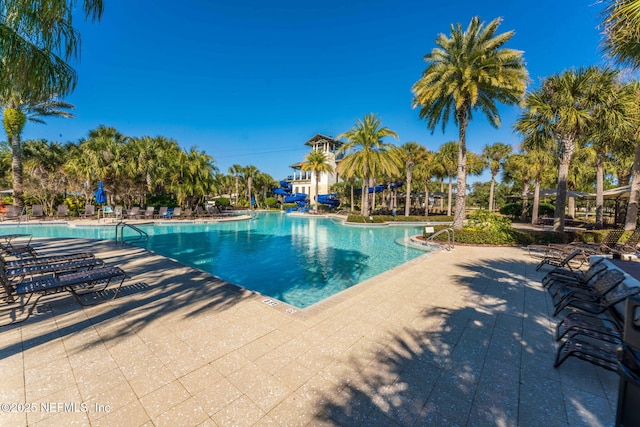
[(142, 235), (451, 237)]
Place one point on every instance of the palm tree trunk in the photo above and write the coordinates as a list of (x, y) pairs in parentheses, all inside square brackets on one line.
[(566, 153), (317, 190), (525, 201), (536, 202), (493, 182), (450, 195), (407, 198), (352, 195), (599, 190), (16, 169), (365, 198), (631, 219), (458, 218), (426, 198)]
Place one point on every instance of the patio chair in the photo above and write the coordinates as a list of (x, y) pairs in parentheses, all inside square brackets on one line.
[(134, 212), (604, 284), (117, 212), (11, 249), (188, 213), (201, 213), (12, 212), (597, 352), (148, 213), (89, 211), (571, 261), (560, 277), (162, 212), (51, 259), (630, 246), (37, 211), (107, 211), (62, 212), (78, 284), (17, 274), (599, 306), (177, 213)]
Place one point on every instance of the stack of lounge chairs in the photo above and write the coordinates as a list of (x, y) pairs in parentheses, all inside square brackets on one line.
[(591, 324), (25, 278)]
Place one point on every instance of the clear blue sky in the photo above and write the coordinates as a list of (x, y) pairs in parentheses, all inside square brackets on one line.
[(250, 81)]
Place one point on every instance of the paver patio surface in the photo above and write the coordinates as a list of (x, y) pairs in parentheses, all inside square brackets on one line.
[(458, 338)]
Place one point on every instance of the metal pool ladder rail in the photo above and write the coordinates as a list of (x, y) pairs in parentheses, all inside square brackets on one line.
[(141, 237), (451, 236)]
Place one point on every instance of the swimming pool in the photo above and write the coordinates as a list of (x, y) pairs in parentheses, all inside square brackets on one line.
[(298, 260)]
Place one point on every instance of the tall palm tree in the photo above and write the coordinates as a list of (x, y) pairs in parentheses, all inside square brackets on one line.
[(249, 173), (236, 170), (16, 112), (37, 39), (367, 152), (468, 71), (446, 158), (495, 156), (621, 22), (563, 109), (411, 154), (316, 162), (424, 171)]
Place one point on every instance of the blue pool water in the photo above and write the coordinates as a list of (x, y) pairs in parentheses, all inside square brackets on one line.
[(298, 260)]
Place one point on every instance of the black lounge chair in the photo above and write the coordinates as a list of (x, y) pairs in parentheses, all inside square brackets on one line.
[(62, 212), (598, 307), (598, 353), (581, 322), (78, 284), (37, 211), (575, 259), (600, 287), (17, 274), (630, 246), (561, 277), (10, 249), (29, 261)]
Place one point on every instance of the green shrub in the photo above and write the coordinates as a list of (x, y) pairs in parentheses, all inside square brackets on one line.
[(377, 219), (272, 202), (223, 202)]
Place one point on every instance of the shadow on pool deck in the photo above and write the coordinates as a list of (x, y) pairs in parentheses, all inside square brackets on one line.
[(438, 341)]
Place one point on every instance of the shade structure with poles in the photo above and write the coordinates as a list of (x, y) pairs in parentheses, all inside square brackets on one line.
[(101, 195)]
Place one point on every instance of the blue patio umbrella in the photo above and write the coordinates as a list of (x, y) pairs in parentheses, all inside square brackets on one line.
[(101, 195)]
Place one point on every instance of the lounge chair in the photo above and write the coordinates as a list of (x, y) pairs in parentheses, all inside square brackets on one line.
[(177, 213), (107, 211), (78, 284), (117, 212), (188, 213), (560, 277), (89, 211), (148, 213), (134, 212), (62, 212), (37, 211), (162, 212), (597, 353), (201, 213), (630, 246), (572, 260), (599, 306), (11, 249), (604, 284), (17, 274), (12, 212), (51, 259)]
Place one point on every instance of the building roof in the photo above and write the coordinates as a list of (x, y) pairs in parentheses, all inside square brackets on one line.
[(319, 137)]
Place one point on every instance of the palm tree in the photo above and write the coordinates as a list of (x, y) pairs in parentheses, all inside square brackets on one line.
[(15, 115), (424, 171), (249, 173), (446, 158), (316, 162), (563, 109), (411, 155), (367, 153), (495, 156), (621, 22), (470, 70), (236, 170), (37, 39)]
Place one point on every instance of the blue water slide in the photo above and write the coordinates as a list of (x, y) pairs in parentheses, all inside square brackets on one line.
[(329, 200)]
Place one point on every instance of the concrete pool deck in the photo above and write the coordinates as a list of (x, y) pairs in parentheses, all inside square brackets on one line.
[(458, 338)]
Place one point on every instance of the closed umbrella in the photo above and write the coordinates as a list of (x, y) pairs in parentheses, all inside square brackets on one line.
[(101, 195)]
